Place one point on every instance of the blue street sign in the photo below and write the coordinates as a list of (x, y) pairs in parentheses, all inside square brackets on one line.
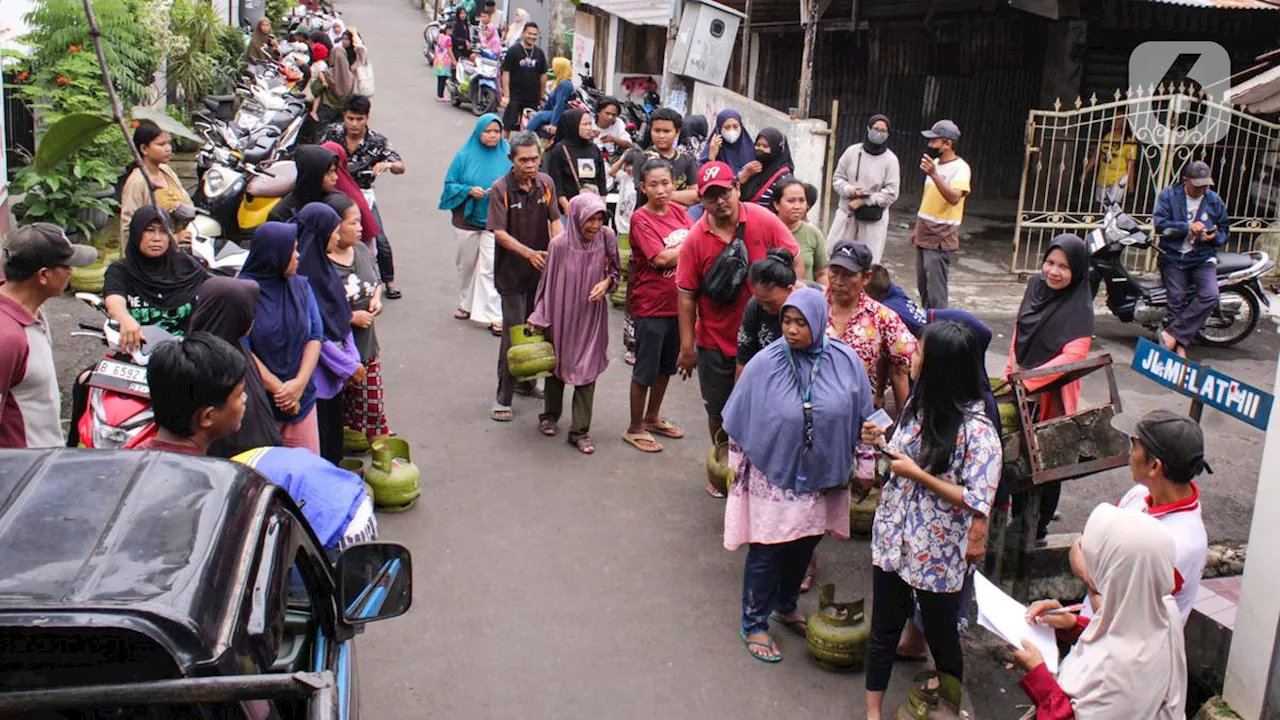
[(1220, 392)]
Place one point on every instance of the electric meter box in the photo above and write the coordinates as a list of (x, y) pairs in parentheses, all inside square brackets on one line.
[(704, 44)]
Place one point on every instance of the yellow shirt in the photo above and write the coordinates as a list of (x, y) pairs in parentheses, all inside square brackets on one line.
[(1114, 156), (933, 206)]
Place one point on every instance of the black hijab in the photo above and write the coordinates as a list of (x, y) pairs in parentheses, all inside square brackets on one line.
[(226, 308), (779, 159), (461, 31), (694, 128), (569, 148), (874, 148), (169, 281), (1048, 318), (567, 132), (313, 162)]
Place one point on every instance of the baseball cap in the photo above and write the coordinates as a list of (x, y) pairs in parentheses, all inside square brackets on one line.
[(1176, 440), (1197, 171), (715, 174), (944, 129), (852, 256), (42, 245)]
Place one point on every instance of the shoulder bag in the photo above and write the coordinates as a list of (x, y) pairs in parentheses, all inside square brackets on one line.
[(728, 272), (865, 212)]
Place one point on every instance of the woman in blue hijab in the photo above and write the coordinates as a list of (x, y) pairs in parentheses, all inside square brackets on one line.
[(287, 332), (482, 160), (793, 420), (730, 142), (317, 225)]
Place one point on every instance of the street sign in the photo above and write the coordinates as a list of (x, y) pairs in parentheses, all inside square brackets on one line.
[(1206, 385)]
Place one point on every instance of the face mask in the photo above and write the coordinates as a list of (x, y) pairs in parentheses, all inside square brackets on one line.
[(763, 156), (933, 152), (877, 137), (731, 136)]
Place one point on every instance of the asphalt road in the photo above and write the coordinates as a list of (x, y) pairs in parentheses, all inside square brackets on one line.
[(554, 585)]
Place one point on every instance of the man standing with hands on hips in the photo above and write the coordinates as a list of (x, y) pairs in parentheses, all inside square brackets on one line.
[(937, 232), (1189, 256), (524, 214)]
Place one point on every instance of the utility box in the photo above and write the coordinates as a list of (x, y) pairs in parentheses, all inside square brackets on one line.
[(704, 44)]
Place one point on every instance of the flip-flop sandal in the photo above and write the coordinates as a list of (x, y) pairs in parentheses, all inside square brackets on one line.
[(461, 314), (393, 293), (634, 440), (664, 428), (799, 627), (714, 493), (500, 414), (583, 445), (548, 428), (774, 655), (496, 330), (806, 584)]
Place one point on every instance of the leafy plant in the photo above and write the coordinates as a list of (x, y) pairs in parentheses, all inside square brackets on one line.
[(205, 55), (67, 195), (277, 9)]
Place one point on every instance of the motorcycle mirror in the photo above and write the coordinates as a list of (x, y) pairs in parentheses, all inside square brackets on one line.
[(89, 298)]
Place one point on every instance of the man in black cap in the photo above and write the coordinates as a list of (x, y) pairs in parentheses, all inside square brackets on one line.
[(37, 266), (1196, 218), (1166, 452), (937, 233)]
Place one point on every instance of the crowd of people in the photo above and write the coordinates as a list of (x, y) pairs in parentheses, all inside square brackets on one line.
[(798, 341)]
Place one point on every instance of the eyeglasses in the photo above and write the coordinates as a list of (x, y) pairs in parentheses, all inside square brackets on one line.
[(716, 194)]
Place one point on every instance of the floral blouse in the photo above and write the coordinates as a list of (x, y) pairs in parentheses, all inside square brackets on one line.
[(872, 331), (919, 535)]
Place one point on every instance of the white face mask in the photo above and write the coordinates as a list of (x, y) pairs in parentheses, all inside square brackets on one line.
[(731, 136)]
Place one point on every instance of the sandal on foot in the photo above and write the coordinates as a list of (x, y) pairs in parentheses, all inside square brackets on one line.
[(713, 492), (799, 627), (643, 442), (810, 577), (664, 428), (500, 413), (461, 314), (393, 293), (496, 329), (548, 428), (583, 445), (774, 654)]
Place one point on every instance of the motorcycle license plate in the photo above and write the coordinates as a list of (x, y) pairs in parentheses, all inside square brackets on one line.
[(122, 377)]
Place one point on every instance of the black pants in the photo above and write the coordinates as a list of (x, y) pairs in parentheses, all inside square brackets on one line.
[(516, 308), (891, 605), (386, 262), (441, 82), (329, 423)]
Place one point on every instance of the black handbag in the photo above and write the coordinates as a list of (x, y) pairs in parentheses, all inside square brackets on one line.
[(865, 213), (728, 272)]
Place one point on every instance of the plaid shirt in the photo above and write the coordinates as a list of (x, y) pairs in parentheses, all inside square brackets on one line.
[(373, 149)]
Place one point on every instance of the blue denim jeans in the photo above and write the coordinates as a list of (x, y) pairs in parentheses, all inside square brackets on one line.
[(540, 118), (771, 580)]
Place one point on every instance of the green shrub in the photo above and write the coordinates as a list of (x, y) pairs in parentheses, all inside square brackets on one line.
[(66, 195)]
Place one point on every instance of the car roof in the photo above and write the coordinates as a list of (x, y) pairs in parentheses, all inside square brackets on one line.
[(125, 531)]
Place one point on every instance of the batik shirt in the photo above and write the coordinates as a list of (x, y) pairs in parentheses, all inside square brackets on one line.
[(916, 533), (872, 331), (373, 149)]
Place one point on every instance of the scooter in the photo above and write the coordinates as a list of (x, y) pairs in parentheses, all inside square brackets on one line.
[(1136, 299), (119, 408), (219, 255), (475, 82), (235, 196)]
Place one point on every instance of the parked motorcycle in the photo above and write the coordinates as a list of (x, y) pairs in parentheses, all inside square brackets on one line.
[(219, 255), (119, 407), (1137, 299), (235, 195), (475, 81)]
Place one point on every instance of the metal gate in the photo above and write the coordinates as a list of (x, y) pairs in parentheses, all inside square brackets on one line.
[(1145, 136)]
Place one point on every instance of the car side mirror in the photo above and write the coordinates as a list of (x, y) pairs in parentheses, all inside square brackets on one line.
[(375, 582)]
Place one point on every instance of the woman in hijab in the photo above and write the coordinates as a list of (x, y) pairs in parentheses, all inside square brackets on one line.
[(772, 162), (693, 135), (260, 42), (793, 420), (574, 162), (317, 177), (1055, 327), (1129, 661), (519, 19), (318, 227), (154, 284), (866, 179), (582, 268), (331, 88), (286, 332), (460, 32), (945, 464), (226, 308), (562, 91), (346, 184), (730, 143), (476, 167)]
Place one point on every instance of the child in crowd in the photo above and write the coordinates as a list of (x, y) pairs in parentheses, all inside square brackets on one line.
[(882, 289), (443, 63), (624, 172)]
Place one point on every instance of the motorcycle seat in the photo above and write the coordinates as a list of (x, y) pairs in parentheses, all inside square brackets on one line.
[(257, 154), (220, 98), (285, 176), (1233, 262)]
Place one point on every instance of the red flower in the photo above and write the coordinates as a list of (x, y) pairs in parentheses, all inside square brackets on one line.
[(22, 76), (74, 49), (63, 80)]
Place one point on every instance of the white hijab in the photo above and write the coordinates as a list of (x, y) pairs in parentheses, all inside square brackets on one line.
[(1130, 662)]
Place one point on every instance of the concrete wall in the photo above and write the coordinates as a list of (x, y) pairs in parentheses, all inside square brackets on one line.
[(808, 149)]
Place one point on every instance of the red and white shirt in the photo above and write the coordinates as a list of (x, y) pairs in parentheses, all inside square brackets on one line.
[(29, 402)]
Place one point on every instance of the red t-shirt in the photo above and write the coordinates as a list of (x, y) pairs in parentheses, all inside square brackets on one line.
[(155, 443), (718, 324), (654, 293)]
